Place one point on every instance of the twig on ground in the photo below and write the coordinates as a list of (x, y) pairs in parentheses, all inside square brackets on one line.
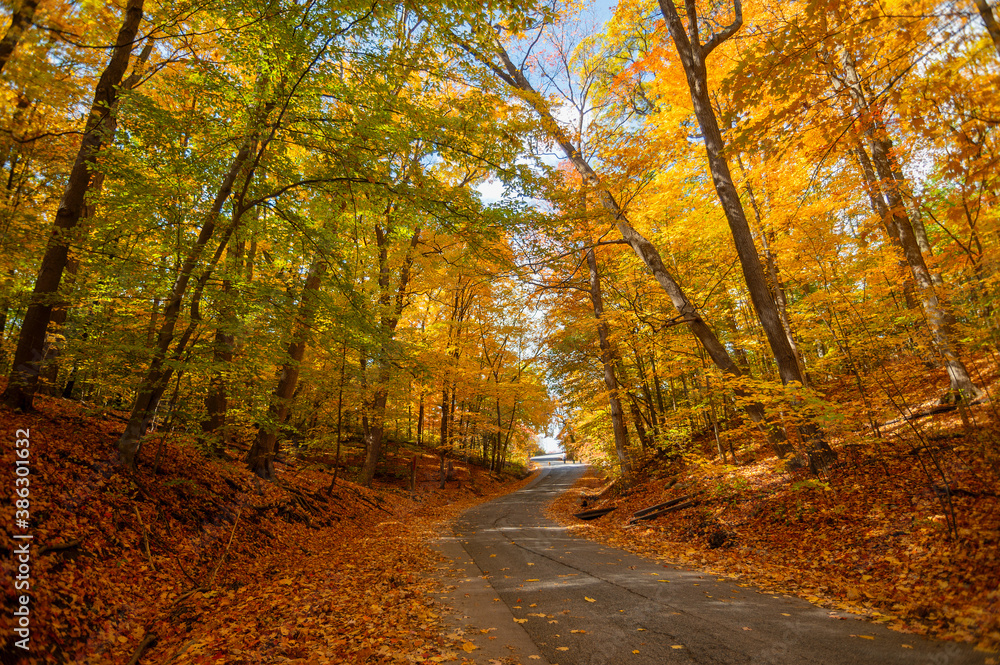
[(145, 539), (215, 570)]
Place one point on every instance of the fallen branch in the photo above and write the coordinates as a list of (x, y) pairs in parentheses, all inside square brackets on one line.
[(941, 408), (663, 511), (222, 558), (145, 539), (639, 514), (595, 513), (148, 641)]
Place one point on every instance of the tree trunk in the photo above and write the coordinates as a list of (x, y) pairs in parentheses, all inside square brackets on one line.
[(19, 21), (24, 375), (692, 55), (151, 389), (608, 361), (777, 288), (391, 304), (223, 347), (990, 21), (639, 244), (640, 422), (898, 222), (653, 420), (420, 420), (260, 459)]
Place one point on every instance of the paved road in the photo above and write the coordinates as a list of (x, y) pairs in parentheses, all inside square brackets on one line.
[(543, 595)]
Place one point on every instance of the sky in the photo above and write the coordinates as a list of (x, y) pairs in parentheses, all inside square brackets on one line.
[(597, 14), (550, 444)]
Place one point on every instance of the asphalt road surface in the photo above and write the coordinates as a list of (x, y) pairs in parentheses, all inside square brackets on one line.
[(526, 591)]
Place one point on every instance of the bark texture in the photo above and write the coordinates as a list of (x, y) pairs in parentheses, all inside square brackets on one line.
[(986, 12)]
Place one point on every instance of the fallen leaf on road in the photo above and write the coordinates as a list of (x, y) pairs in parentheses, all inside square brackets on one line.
[(635, 651), (562, 648), (589, 600), (520, 620), (469, 647), (676, 646), (583, 631), (532, 580)]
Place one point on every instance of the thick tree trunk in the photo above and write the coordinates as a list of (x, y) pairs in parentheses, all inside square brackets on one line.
[(692, 55), (60, 309), (24, 375), (19, 22), (260, 459), (608, 361)]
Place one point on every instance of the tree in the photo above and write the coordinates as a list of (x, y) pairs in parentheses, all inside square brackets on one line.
[(515, 78), (609, 359), (262, 452), (19, 21), (23, 378), (692, 55)]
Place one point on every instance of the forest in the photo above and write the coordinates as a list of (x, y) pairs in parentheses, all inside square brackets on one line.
[(755, 242)]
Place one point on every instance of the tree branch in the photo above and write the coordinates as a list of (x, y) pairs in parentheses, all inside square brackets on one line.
[(727, 32)]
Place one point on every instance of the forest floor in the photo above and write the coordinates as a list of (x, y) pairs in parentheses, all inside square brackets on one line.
[(203, 563), (904, 528)]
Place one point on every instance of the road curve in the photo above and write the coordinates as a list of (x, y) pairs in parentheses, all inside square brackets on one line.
[(528, 591)]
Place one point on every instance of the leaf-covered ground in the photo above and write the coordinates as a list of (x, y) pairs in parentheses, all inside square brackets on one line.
[(904, 529), (215, 565)]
